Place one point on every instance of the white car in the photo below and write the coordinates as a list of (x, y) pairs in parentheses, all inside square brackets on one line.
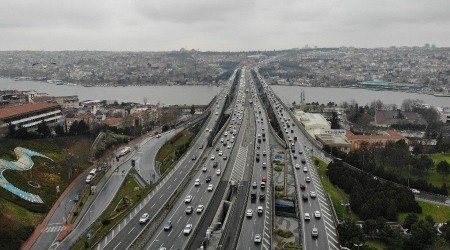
[(305, 169), (415, 191), (218, 171), (260, 210), (264, 165), (317, 214), (204, 169), (188, 199), (187, 230), (197, 182), (220, 153), (213, 157), (297, 166), (144, 218), (312, 194), (249, 212), (210, 187), (228, 146), (315, 232), (199, 208), (257, 238), (307, 179), (307, 216)]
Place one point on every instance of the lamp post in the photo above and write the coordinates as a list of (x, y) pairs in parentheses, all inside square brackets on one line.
[(344, 204), (358, 245)]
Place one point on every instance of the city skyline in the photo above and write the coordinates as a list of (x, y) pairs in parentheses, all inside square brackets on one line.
[(220, 25)]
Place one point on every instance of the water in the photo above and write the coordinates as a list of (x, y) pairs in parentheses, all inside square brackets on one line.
[(290, 94), (203, 94), (199, 95)]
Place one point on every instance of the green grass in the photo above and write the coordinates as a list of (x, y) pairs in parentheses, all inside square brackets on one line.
[(336, 194), (127, 189), (166, 155), (438, 212), (440, 157), (377, 244)]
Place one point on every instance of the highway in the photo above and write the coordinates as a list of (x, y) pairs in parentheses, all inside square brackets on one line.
[(123, 234), (304, 169), (175, 238), (260, 223), (110, 184)]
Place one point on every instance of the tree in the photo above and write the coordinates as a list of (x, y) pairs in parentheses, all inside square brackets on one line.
[(335, 121), (423, 235), (192, 109), (443, 168), (43, 129), (410, 219), (350, 233), (165, 128), (59, 130), (11, 131)]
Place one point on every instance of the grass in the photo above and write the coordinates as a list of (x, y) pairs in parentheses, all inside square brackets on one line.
[(21, 214), (337, 195), (110, 216), (166, 155), (377, 244), (438, 212)]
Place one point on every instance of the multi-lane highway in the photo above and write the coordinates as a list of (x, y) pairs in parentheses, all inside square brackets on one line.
[(256, 227), (313, 204), (183, 220)]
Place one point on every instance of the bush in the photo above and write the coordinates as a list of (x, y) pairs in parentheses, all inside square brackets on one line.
[(285, 233), (278, 168), (279, 187)]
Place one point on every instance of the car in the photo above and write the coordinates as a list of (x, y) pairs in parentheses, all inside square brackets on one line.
[(188, 199), (201, 147), (254, 184), (197, 182), (217, 149), (249, 212), (204, 169), (258, 147), (224, 157), (199, 209), (315, 232), (208, 178), (215, 164), (302, 186), (210, 187), (257, 238), (307, 216), (168, 226), (307, 179), (295, 156), (213, 157), (317, 214), (218, 171), (264, 153), (300, 152), (297, 166), (260, 210), (144, 218), (187, 230), (188, 210), (194, 157), (415, 191), (220, 153), (229, 146), (253, 196), (304, 197), (264, 165), (305, 169), (262, 197), (312, 194)]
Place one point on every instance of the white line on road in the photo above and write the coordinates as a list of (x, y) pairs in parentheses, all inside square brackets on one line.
[(131, 230), (117, 245)]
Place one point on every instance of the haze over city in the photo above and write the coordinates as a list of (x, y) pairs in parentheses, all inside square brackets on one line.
[(162, 25)]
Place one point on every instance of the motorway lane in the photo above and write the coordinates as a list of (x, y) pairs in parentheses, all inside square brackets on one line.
[(174, 238), (129, 229), (327, 238), (107, 193), (258, 223)]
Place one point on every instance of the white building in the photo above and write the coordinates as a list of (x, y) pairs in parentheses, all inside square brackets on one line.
[(313, 123)]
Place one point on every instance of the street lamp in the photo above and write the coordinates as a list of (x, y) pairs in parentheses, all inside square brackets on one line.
[(344, 204), (358, 245)]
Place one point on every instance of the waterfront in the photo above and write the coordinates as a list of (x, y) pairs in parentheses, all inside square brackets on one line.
[(203, 94)]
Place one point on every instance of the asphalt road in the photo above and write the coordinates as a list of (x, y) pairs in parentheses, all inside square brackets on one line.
[(327, 236), (175, 238), (258, 223)]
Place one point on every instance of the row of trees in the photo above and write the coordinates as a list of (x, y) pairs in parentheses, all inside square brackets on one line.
[(371, 198), (44, 131), (394, 162)]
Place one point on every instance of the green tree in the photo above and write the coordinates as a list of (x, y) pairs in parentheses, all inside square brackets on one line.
[(443, 168), (350, 233), (422, 236), (410, 219), (43, 129), (335, 121), (192, 109), (59, 130)]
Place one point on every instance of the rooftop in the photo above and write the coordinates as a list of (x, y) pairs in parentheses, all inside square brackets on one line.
[(13, 111)]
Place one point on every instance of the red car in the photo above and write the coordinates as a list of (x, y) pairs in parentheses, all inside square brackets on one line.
[(302, 186)]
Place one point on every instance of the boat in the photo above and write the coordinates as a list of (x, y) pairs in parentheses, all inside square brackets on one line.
[(442, 95)]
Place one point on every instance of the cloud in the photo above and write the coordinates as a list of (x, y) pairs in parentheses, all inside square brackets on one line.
[(220, 25)]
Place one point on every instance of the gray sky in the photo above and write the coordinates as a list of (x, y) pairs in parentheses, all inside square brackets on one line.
[(226, 25)]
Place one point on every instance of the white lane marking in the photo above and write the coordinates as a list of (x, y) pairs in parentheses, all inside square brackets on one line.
[(131, 230)]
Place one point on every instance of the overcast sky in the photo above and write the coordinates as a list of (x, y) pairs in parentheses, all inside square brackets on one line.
[(226, 25)]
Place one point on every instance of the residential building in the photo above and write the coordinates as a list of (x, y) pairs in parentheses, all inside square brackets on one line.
[(30, 115), (381, 138), (387, 118)]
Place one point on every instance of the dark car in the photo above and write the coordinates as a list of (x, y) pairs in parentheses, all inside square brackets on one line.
[(305, 197), (253, 196), (215, 164), (302, 186), (194, 157), (208, 178), (295, 156), (262, 197), (168, 226)]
